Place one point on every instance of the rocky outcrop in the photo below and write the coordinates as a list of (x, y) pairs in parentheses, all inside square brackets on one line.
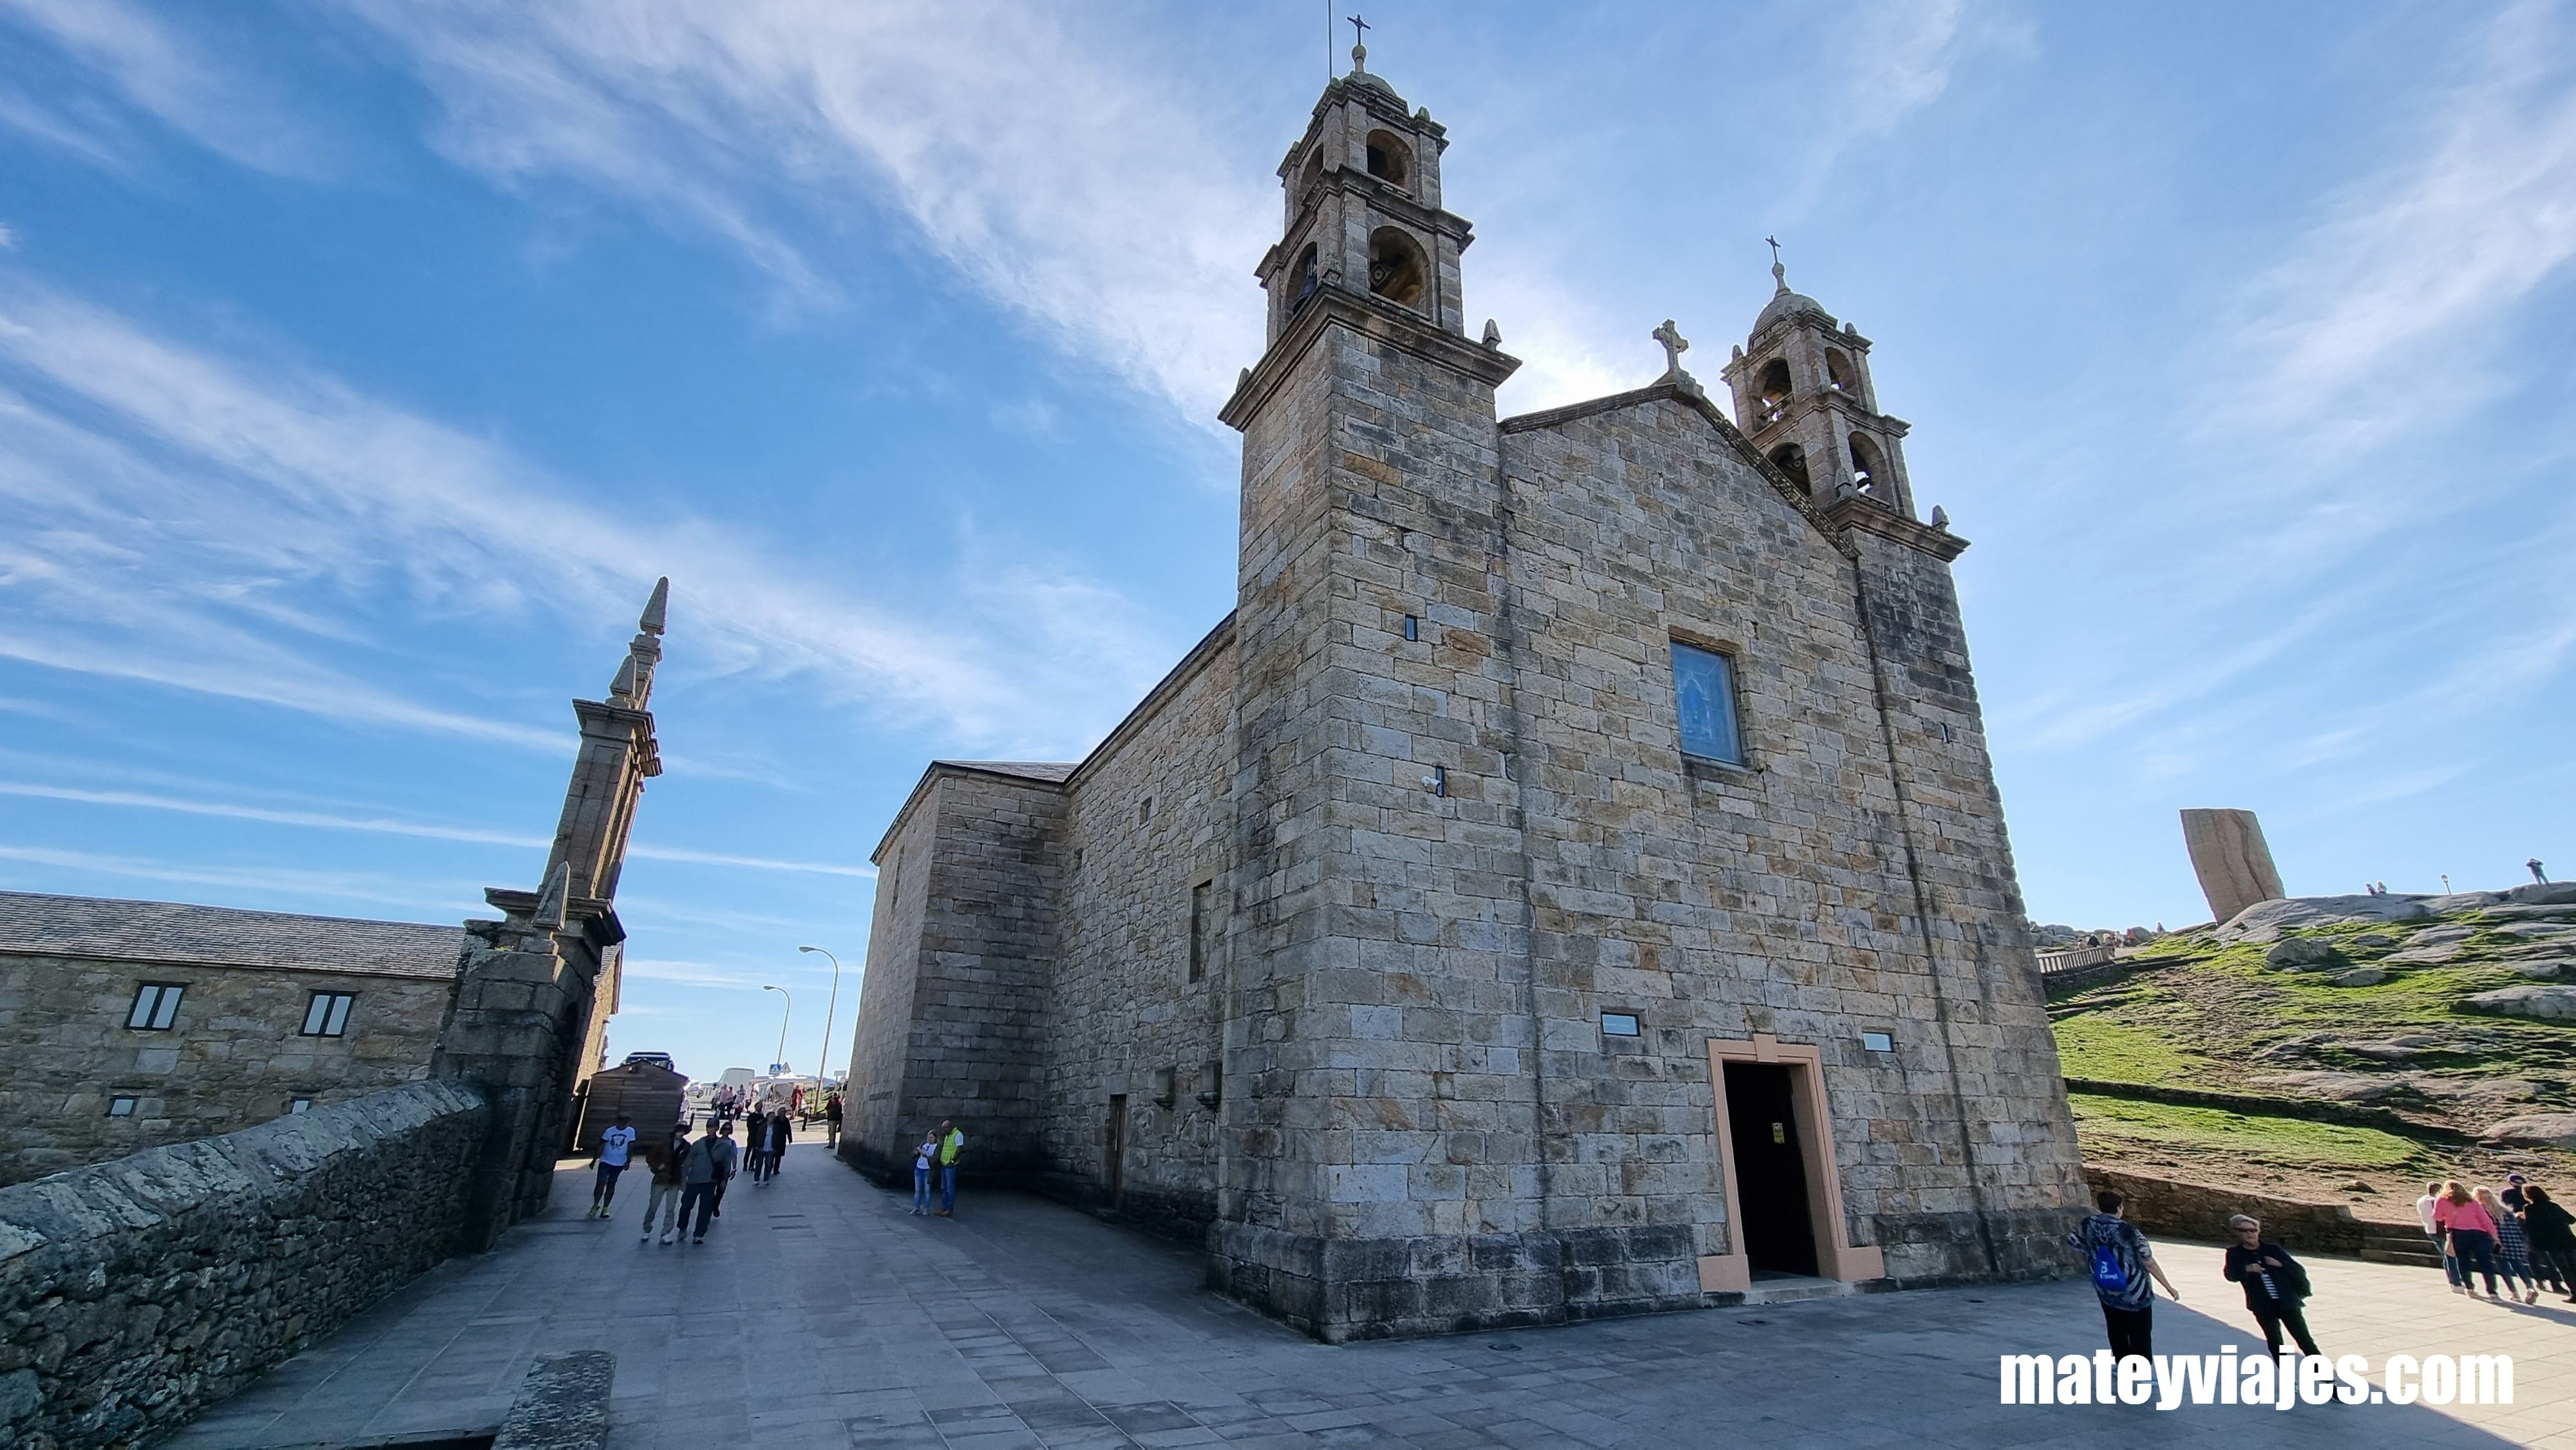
[(2266, 921), (2544, 1004), (2539, 1130), (136, 1292)]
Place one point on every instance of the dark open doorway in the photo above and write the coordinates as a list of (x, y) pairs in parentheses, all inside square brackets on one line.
[(1779, 1234)]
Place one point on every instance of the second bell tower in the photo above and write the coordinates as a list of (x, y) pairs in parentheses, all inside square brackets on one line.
[(1803, 396)]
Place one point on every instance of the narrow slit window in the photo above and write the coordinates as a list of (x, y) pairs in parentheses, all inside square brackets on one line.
[(1412, 627), (156, 1007), (327, 1015), (1704, 693), (1202, 925)]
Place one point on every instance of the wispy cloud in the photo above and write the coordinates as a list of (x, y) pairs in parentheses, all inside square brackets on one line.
[(186, 78), (450, 902), (205, 523), (1021, 154), (2379, 318)]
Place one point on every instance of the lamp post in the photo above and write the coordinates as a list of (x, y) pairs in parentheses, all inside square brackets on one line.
[(784, 1013), (823, 1058)]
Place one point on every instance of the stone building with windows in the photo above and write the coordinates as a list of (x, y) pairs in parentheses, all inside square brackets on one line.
[(127, 1024), (1572, 880), (131, 1024)]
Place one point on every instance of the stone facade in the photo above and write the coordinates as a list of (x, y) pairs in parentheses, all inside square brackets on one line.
[(1397, 947), (234, 1052), (134, 1293)]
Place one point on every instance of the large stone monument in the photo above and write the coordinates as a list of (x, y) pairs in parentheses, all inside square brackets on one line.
[(2234, 865)]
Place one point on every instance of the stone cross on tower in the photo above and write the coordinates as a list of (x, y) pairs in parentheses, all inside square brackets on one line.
[(1359, 42), (1674, 346), (1779, 273)]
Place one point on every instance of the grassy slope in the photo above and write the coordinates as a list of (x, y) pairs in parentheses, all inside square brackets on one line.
[(2204, 1017)]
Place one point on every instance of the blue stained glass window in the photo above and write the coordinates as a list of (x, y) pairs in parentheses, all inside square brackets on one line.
[(1704, 689)]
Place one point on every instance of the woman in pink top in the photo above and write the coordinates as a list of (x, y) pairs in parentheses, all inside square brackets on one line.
[(2472, 1235)]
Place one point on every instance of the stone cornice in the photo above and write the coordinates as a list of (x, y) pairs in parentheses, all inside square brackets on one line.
[(1380, 321), (1869, 517)]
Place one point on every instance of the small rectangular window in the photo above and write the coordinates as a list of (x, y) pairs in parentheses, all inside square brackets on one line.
[(299, 1105), (1202, 927), (120, 1107), (1877, 1042), (1619, 1024), (156, 1007), (1412, 627), (1704, 691), (1144, 810), (327, 1015)]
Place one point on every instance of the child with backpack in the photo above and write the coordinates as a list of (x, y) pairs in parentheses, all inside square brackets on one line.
[(2122, 1262)]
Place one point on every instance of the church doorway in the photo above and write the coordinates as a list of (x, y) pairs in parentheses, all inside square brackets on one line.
[(1114, 1166), (1775, 1149), (1770, 1169)]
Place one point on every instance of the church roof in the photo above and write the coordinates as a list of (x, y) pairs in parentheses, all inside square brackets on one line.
[(219, 936), (1052, 771)]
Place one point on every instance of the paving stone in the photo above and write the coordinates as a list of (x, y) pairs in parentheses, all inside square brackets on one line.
[(1915, 1368)]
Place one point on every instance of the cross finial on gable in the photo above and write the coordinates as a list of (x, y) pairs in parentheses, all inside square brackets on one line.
[(1674, 346), (1779, 274), (1359, 42)]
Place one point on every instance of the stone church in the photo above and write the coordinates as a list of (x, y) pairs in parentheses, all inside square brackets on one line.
[(1570, 883)]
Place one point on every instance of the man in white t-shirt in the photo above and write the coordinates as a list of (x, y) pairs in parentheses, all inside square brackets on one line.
[(614, 1144)]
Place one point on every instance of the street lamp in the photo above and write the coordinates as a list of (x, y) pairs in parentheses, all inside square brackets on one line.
[(823, 1059), (784, 1014)]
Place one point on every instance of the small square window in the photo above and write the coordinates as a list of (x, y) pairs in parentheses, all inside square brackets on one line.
[(156, 1007), (120, 1107), (327, 1014), (1619, 1024), (299, 1105), (1704, 694), (1877, 1042)]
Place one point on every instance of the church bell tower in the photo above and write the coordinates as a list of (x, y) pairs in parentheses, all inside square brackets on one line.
[(1363, 209), (1803, 396)]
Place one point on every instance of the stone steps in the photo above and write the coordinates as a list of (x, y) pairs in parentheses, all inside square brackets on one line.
[(1785, 1291), (2400, 1249)]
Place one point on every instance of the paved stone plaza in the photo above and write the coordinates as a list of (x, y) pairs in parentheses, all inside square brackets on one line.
[(819, 1314)]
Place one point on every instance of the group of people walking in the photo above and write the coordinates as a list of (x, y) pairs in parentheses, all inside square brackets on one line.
[(690, 1175), (2518, 1232)]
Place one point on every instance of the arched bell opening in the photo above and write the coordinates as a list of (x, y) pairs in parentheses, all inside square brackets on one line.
[(1397, 271), (1791, 459), (1389, 159)]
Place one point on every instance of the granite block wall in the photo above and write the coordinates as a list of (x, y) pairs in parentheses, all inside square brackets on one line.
[(232, 1058), (1135, 1008), (136, 1292)]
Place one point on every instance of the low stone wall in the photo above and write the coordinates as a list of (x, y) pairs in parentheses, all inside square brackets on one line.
[(2314, 1110), (134, 1293), (2200, 1211)]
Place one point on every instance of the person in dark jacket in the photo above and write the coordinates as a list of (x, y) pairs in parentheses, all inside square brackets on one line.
[(704, 1170), (2552, 1231), (774, 1134), (2275, 1284)]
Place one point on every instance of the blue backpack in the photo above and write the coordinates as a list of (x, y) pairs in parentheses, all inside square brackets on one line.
[(2109, 1274)]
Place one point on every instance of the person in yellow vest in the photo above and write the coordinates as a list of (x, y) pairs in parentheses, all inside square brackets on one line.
[(952, 1147)]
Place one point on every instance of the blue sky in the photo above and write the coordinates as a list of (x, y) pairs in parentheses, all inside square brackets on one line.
[(362, 363)]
